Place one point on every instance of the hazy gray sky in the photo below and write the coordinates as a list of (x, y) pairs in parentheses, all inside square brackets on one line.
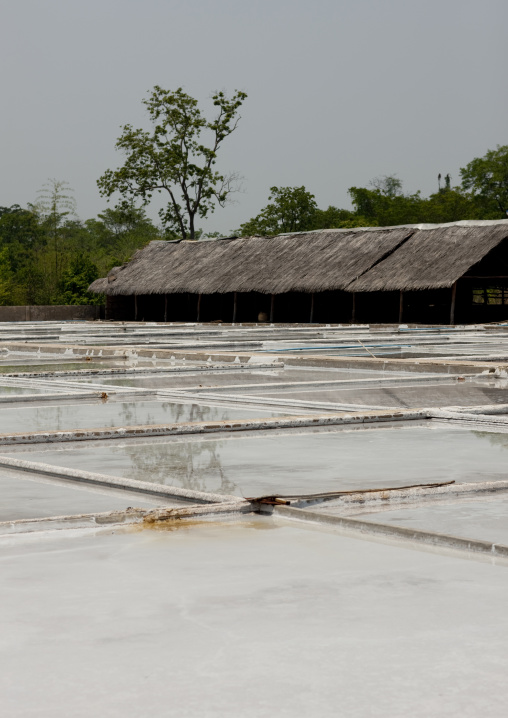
[(340, 91)]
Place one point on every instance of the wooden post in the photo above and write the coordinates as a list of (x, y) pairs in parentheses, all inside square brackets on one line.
[(235, 306), (198, 318), (135, 307), (272, 308), (353, 311), (311, 319), (165, 307), (401, 306), (452, 306)]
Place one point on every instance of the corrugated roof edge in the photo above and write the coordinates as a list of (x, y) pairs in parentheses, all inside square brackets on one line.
[(459, 223)]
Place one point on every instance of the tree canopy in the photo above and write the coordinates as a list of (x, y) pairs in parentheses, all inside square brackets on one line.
[(487, 179), (289, 209), (383, 203), (173, 160), (76, 280), (49, 256)]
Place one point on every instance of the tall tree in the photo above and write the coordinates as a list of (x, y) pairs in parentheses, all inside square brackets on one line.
[(487, 178), (289, 209), (388, 185), (55, 203), (172, 158)]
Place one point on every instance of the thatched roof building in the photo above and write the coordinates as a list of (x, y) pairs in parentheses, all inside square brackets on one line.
[(433, 258), (305, 262), (360, 260)]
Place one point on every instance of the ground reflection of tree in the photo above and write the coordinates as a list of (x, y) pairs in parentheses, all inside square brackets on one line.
[(173, 413), (495, 439), (128, 414), (197, 412), (191, 464), (49, 418)]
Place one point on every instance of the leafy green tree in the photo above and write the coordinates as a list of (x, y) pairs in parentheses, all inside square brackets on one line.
[(6, 277), (487, 179), (289, 209), (117, 233), (75, 281), (448, 205), (335, 218), (126, 218), (31, 284), (10, 210), (24, 240), (172, 158), (384, 210), (21, 233)]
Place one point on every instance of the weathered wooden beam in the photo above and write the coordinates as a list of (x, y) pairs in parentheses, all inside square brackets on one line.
[(452, 305)]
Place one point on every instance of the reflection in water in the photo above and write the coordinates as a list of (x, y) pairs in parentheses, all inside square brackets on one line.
[(169, 412), (259, 463), (500, 440), (189, 464), (103, 414)]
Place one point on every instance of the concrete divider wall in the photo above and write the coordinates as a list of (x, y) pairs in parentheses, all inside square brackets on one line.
[(57, 313)]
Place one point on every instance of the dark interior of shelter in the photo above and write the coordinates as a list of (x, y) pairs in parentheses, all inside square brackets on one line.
[(477, 301)]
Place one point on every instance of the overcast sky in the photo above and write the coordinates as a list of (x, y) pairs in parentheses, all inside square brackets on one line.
[(340, 91)]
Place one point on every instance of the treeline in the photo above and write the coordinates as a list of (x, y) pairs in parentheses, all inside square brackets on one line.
[(482, 194), (294, 209), (49, 256)]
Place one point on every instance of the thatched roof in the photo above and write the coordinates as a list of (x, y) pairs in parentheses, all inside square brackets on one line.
[(433, 258), (366, 259), (100, 286), (309, 262)]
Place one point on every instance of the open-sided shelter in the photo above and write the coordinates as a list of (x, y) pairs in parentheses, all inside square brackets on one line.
[(451, 273)]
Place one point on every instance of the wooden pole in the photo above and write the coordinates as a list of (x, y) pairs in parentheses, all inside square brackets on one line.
[(272, 308), (311, 319), (235, 306), (353, 311), (135, 307), (452, 306), (165, 307), (401, 306), (198, 318)]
